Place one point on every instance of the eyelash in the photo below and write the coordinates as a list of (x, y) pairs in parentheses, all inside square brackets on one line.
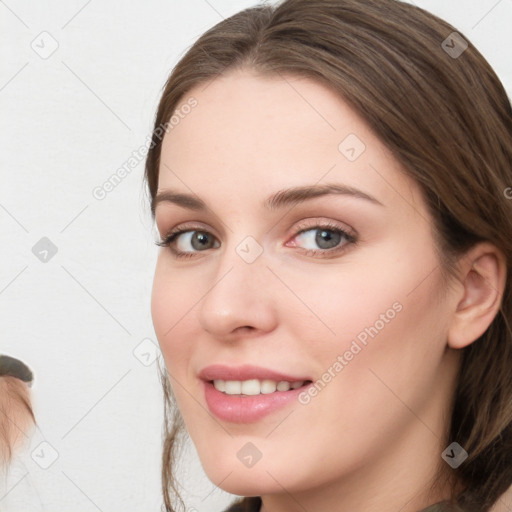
[(351, 239)]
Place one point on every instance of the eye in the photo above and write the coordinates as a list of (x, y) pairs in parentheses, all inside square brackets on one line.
[(324, 240), (180, 240)]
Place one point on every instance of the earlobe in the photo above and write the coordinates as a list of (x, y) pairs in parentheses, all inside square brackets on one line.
[(483, 278)]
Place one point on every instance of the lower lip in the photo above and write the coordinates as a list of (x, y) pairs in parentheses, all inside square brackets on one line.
[(247, 408)]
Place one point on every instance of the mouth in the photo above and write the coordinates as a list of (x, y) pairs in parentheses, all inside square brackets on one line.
[(246, 401), (254, 387), (247, 393)]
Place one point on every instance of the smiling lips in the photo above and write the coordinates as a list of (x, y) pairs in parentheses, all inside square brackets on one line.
[(245, 394), (246, 372)]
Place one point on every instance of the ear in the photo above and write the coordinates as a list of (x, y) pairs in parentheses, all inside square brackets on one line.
[(483, 276)]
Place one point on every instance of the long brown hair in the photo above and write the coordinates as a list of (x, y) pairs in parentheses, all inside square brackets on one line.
[(446, 117)]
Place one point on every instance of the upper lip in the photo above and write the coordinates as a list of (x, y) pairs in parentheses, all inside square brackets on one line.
[(245, 372)]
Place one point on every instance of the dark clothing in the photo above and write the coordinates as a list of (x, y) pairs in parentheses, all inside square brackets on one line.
[(246, 505), (253, 504)]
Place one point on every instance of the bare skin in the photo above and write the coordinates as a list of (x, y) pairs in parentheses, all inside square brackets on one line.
[(371, 439)]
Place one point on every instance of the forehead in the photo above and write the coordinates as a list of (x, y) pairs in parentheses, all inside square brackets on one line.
[(252, 111), (250, 133)]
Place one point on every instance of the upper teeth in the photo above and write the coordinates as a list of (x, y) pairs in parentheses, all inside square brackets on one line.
[(254, 386)]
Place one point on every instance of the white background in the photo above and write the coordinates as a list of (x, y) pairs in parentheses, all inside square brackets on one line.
[(68, 122)]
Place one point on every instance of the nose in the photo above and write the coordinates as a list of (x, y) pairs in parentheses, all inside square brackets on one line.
[(241, 297)]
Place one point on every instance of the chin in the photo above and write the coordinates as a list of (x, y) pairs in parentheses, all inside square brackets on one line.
[(225, 470), (246, 483)]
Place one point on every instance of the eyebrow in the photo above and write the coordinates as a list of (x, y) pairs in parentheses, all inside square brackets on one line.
[(276, 201)]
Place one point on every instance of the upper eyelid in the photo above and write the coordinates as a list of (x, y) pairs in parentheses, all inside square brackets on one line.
[(303, 225), (330, 224)]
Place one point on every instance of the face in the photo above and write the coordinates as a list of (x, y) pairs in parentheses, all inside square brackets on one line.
[(340, 288)]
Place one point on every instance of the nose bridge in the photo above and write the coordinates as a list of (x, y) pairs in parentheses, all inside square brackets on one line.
[(237, 295)]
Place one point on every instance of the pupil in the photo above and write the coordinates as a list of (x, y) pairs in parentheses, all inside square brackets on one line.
[(327, 236), (201, 238)]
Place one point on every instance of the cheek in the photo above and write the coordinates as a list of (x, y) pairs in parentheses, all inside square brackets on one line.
[(396, 284), (392, 337), (375, 319), (174, 306), (169, 307)]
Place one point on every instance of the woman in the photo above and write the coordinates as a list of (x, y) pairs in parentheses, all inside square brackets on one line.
[(343, 343)]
